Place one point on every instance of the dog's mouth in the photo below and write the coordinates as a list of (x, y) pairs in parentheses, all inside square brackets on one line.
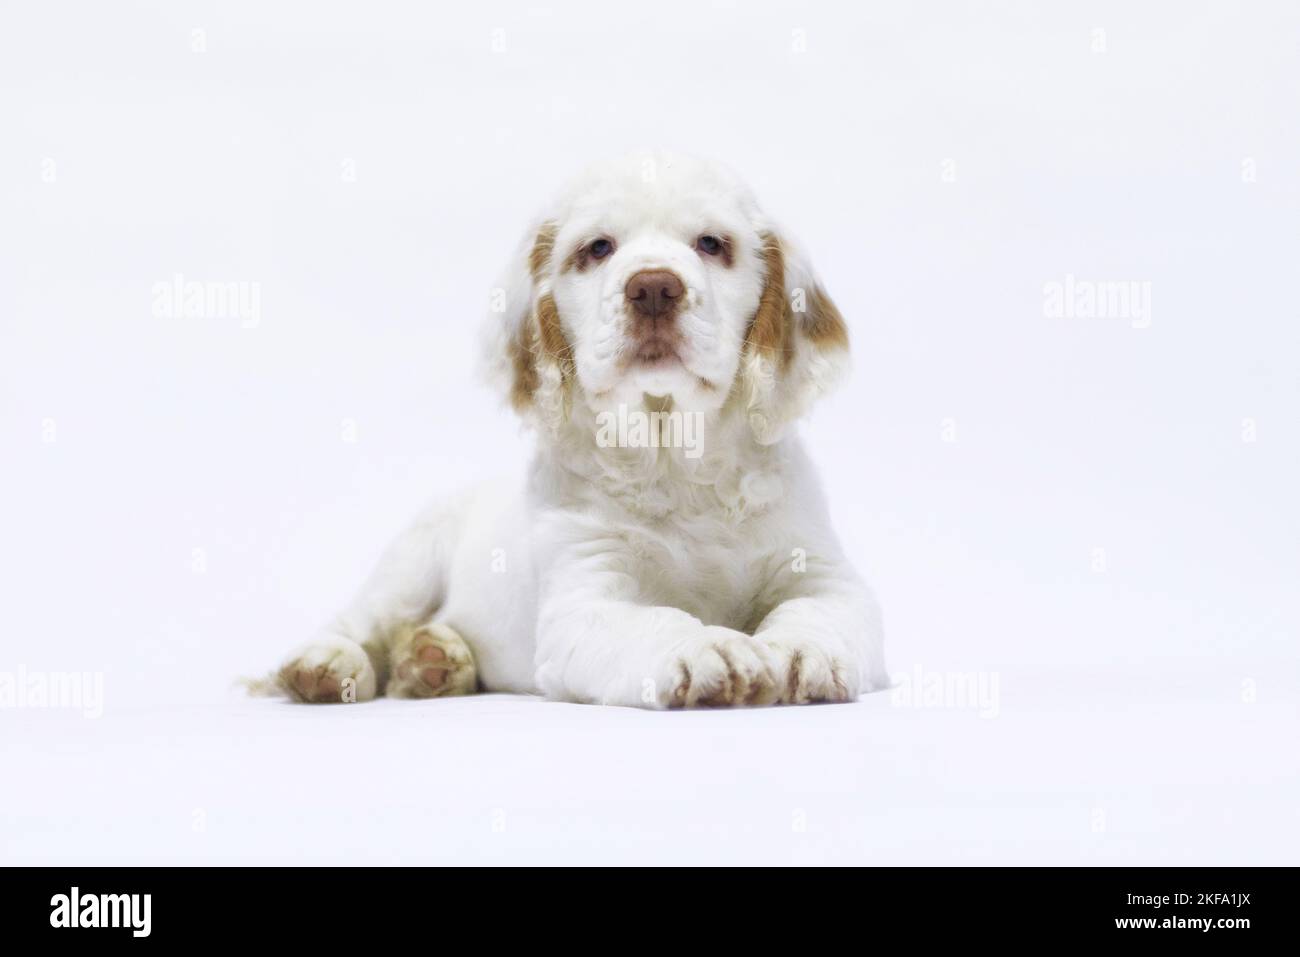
[(655, 354)]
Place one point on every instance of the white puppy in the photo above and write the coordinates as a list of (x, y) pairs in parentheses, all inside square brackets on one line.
[(671, 546)]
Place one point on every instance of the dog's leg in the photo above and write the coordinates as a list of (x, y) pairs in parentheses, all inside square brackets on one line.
[(825, 637), (619, 653), (596, 643), (350, 660)]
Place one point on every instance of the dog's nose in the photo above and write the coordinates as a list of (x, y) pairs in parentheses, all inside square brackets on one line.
[(653, 293)]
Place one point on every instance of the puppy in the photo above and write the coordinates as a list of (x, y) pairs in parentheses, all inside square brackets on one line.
[(670, 546)]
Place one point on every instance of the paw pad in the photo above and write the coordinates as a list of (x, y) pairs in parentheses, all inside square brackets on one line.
[(430, 661), (328, 674)]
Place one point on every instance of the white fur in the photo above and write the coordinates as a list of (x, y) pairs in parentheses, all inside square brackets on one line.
[(635, 576)]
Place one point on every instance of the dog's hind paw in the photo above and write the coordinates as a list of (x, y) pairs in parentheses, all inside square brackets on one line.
[(429, 661), (332, 671)]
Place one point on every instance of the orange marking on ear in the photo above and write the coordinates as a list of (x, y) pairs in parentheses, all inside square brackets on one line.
[(554, 344), (769, 330), (524, 345), (539, 258)]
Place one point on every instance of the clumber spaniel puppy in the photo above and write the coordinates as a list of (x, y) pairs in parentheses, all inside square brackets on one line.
[(670, 546)]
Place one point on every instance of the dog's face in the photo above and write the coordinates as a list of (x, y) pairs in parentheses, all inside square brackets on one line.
[(656, 278)]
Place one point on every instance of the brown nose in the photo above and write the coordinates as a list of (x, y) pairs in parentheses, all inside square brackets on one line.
[(653, 293)]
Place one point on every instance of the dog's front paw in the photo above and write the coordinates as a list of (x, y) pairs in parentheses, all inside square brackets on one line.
[(334, 670), (809, 671), (716, 668)]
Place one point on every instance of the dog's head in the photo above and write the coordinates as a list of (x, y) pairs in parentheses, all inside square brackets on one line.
[(657, 277)]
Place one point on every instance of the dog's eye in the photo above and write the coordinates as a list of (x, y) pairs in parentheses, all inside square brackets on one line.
[(709, 245), (600, 248)]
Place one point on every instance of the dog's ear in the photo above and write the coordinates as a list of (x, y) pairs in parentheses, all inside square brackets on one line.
[(527, 354), (797, 345)]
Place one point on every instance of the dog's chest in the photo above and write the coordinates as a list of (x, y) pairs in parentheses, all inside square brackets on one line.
[(715, 567)]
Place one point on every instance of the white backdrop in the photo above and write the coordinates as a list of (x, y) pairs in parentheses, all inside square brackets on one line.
[(1096, 514)]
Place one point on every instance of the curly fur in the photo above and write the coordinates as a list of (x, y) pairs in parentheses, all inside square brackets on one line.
[(652, 576)]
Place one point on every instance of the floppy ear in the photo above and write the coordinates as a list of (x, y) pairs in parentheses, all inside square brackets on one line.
[(527, 354), (797, 346)]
